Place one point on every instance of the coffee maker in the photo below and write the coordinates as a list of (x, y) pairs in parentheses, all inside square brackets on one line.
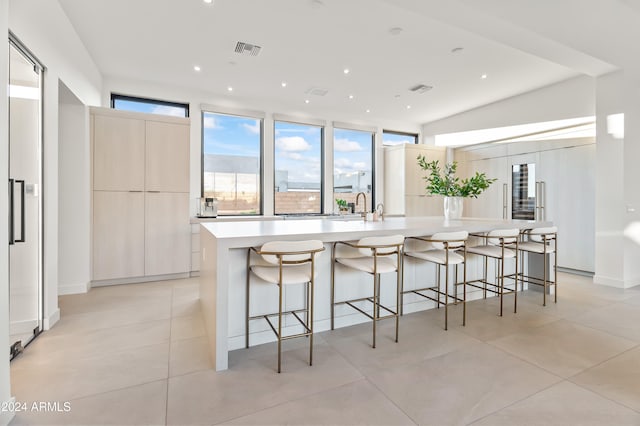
[(208, 207)]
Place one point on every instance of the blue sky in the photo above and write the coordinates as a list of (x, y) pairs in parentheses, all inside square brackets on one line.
[(231, 135)]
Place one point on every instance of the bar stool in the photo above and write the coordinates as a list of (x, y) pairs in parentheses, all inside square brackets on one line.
[(375, 256), (442, 250), (497, 245), (284, 263), (541, 241)]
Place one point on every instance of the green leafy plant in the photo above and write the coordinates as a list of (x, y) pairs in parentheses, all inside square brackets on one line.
[(341, 203), (446, 182)]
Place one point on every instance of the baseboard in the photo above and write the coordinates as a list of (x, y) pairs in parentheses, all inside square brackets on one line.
[(73, 288), (51, 320), (610, 282), (195, 273), (5, 415), (135, 280)]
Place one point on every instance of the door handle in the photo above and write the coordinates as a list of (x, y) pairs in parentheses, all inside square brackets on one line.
[(11, 214), (22, 211), (504, 200), (543, 190)]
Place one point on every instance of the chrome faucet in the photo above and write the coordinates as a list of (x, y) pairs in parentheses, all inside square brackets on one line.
[(364, 207), (380, 210)]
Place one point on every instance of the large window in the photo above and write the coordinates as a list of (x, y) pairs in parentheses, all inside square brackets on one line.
[(353, 166), (390, 138), (151, 106), (231, 162), (298, 168)]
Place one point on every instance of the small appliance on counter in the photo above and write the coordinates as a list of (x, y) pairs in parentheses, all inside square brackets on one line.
[(208, 207)]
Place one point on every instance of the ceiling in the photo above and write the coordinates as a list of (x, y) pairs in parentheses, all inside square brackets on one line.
[(520, 45)]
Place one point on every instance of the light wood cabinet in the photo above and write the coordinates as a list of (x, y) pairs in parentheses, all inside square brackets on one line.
[(167, 157), (118, 154), (118, 235), (167, 233), (404, 184), (140, 222)]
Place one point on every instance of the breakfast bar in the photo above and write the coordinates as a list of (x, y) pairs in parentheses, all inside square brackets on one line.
[(223, 266)]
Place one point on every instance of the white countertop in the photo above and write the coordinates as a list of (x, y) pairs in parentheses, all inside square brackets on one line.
[(244, 234)]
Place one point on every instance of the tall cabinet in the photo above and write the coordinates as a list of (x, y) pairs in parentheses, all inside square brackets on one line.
[(404, 186), (140, 209)]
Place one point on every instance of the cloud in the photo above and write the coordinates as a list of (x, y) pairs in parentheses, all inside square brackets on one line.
[(292, 144), (211, 123), (360, 165), (345, 145), (397, 142), (294, 155), (343, 163), (168, 110), (254, 129)]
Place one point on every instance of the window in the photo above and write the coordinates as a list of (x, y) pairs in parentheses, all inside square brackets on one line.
[(298, 182), (231, 162), (397, 138), (151, 106), (353, 166)]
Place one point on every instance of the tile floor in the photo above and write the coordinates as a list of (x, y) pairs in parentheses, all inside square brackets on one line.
[(137, 354)]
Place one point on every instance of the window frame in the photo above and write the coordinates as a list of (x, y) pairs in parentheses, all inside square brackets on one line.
[(261, 160), (373, 160), (119, 97), (415, 136), (322, 126)]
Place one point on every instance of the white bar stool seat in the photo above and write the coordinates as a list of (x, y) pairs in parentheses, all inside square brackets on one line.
[(442, 249), (542, 241), (284, 263), (498, 245), (375, 256)]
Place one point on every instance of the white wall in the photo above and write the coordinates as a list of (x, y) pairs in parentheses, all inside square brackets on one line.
[(195, 99), (53, 40), (568, 99), (5, 387), (74, 246)]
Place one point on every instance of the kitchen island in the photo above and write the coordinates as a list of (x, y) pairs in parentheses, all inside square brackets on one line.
[(224, 262)]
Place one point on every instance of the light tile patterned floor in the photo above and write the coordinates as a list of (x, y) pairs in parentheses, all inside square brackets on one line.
[(137, 354)]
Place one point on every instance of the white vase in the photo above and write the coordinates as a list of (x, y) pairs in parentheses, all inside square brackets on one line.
[(453, 207)]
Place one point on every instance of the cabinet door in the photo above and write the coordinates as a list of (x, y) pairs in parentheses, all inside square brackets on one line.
[(490, 203), (569, 202), (167, 157), (118, 235), (394, 180), (415, 183), (167, 233), (118, 154)]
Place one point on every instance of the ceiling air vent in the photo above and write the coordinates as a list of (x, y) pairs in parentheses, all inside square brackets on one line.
[(247, 49), (317, 91), (420, 88)]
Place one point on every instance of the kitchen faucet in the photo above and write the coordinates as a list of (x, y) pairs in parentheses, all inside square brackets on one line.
[(364, 207)]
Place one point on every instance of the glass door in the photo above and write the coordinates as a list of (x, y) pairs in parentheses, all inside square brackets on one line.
[(25, 197), (523, 194)]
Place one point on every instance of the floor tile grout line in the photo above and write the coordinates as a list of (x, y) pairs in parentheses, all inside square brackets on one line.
[(362, 378), (519, 401), (571, 379), (166, 403), (620, 403), (415, 422), (605, 331)]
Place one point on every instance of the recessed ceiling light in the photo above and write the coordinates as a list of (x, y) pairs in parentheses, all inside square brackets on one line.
[(350, 96), (368, 110), (230, 89), (283, 84), (395, 31), (208, 1), (196, 68), (483, 76), (346, 71), (306, 101), (457, 49), (408, 106)]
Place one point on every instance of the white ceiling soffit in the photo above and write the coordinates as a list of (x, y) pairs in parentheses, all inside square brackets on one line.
[(308, 45), (557, 129)]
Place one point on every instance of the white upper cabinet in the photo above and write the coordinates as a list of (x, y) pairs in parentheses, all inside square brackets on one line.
[(119, 151), (167, 157)]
